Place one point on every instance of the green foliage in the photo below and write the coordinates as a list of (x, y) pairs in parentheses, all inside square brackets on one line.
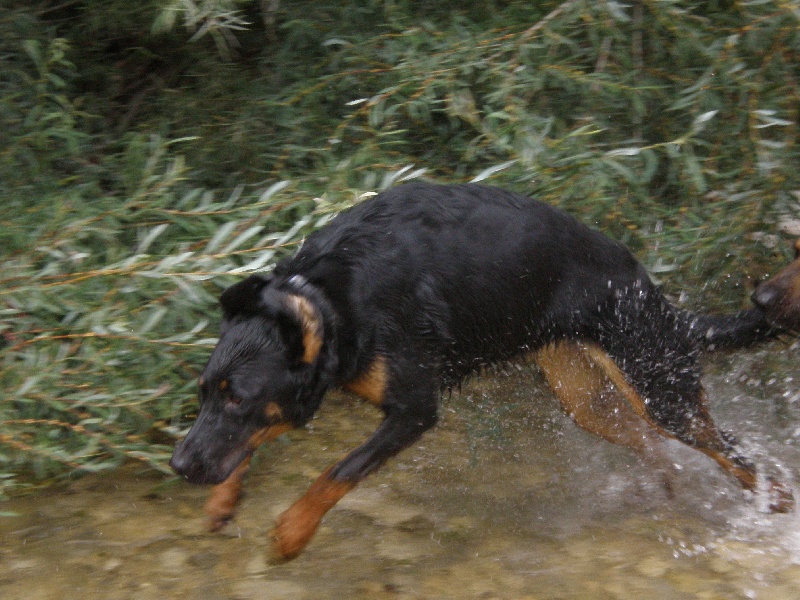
[(106, 321), (152, 152)]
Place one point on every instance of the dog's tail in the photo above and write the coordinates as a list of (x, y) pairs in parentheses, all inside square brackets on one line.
[(729, 332)]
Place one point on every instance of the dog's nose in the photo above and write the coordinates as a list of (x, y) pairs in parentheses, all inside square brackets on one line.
[(189, 465), (183, 462), (179, 463), (764, 297)]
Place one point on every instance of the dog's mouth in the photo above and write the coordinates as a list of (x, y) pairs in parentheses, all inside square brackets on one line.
[(201, 472), (203, 463)]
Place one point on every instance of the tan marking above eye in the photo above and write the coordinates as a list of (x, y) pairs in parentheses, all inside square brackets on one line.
[(201, 382), (223, 385)]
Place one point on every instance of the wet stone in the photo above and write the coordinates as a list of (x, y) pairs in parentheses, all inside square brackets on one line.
[(652, 567), (23, 564), (400, 547), (173, 560), (721, 565), (204, 560), (417, 524), (376, 504), (377, 589), (112, 564), (257, 564), (263, 589)]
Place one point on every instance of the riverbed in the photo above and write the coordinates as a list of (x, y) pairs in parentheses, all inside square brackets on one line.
[(505, 499)]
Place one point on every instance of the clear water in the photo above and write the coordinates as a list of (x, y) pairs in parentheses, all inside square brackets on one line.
[(506, 498)]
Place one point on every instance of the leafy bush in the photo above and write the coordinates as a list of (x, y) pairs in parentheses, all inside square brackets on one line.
[(106, 321), (144, 167)]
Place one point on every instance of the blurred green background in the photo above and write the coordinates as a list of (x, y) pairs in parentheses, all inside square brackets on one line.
[(152, 152)]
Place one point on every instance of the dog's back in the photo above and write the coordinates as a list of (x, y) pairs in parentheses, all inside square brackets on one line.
[(479, 272)]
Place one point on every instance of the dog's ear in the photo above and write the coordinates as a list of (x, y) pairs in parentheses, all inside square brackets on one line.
[(310, 322), (243, 297), (299, 322)]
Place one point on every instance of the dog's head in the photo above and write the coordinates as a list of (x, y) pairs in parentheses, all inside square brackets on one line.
[(266, 375), (779, 297)]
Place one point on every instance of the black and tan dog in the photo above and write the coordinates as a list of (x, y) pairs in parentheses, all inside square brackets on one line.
[(779, 297), (408, 293)]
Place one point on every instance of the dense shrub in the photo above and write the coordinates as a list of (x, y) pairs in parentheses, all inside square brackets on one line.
[(153, 151)]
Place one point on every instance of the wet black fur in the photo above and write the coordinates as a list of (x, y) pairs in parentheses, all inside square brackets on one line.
[(442, 280)]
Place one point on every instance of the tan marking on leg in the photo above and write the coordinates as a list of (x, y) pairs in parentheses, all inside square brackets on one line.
[(371, 385), (591, 399), (295, 527), (781, 498), (620, 380), (705, 435), (221, 503), (593, 402)]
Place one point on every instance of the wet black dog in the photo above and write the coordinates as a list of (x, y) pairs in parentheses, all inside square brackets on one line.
[(409, 292)]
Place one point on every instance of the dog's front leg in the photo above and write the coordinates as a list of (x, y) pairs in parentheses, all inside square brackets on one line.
[(221, 504), (400, 429), (224, 497)]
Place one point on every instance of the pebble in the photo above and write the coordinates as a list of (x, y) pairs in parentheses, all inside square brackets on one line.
[(376, 504), (257, 564), (112, 564), (652, 567), (173, 560), (23, 564), (262, 589), (400, 547)]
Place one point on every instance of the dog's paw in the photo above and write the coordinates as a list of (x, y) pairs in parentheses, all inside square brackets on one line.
[(780, 497), (293, 530), (216, 523), (220, 508)]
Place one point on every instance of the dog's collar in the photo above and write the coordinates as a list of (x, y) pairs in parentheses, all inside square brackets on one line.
[(297, 284), (297, 281)]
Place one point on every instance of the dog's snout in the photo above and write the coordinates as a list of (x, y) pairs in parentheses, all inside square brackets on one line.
[(179, 462), (764, 297), (191, 469)]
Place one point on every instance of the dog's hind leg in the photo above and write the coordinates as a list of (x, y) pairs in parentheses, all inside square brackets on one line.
[(595, 404), (685, 417), (409, 403), (589, 397)]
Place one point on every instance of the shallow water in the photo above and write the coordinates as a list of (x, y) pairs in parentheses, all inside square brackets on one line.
[(506, 498)]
